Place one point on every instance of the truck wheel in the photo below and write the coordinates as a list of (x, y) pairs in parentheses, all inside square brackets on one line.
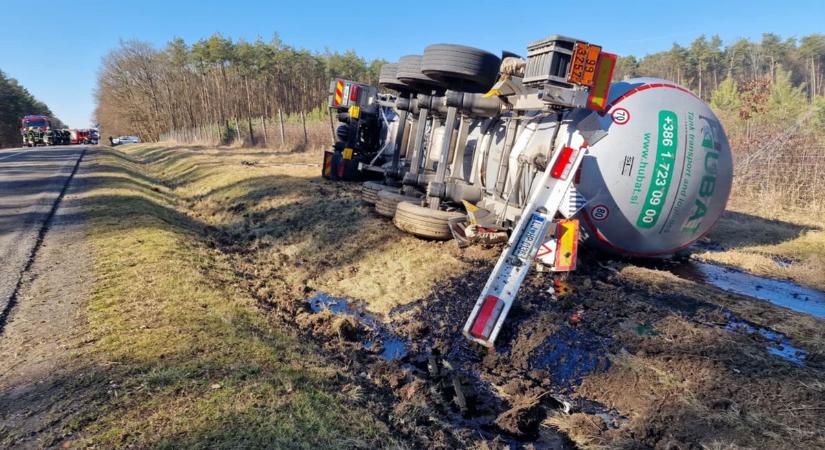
[(409, 72), (370, 190), (424, 222), (460, 67), (388, 78), (388, 201)]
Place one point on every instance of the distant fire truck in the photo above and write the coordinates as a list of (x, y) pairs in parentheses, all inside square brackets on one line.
[(37, 130)]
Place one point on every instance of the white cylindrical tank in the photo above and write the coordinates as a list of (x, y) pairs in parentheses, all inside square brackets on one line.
[(661, 176)]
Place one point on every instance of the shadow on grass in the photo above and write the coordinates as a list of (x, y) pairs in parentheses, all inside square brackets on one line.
[(737, 230), (323, 214)]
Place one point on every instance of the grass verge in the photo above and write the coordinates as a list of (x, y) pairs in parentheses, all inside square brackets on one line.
[(191, 363)]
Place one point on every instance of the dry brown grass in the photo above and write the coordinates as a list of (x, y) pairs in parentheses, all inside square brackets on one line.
[(771, 239), (803, 328), (308, 232)]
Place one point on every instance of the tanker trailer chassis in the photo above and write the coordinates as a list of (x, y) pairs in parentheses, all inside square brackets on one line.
[(554, 153)]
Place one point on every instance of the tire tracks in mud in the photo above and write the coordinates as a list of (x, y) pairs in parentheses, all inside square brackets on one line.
[(41, 234)]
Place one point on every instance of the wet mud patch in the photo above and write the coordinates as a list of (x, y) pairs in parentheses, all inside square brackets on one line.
[(651, 361), (777, 344), (551, 341), (571, 354), (373, 335)]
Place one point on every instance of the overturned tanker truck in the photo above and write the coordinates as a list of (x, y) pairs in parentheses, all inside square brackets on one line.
[(541, 152)]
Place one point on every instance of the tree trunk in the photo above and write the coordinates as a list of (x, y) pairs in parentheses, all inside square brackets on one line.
[(266, 136)]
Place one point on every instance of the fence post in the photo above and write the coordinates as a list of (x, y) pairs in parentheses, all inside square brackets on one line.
[(304, 122), (281, 120), (331, 125)]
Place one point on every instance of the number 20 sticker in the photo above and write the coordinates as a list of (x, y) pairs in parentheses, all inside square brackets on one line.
[(620, 116)]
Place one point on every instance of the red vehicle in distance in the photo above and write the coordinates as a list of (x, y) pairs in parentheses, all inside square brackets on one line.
[(83, 136)]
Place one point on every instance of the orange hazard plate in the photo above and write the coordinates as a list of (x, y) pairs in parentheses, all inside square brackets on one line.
[(583, 65)]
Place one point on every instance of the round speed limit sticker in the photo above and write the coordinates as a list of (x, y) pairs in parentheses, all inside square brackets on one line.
[(620, 116), (599, 213)]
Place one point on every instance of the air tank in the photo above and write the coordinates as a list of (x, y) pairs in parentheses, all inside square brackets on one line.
[(661, 176)]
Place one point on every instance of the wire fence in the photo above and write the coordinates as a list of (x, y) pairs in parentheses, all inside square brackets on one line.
[(291, 132), (781, 167)]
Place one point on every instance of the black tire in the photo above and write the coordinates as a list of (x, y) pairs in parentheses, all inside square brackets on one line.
[(370, 190), (461, 68), (388, 201), (424, 222), (388, 78), (409, 72)]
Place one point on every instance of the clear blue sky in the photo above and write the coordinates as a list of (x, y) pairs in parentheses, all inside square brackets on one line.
[(54, 48)]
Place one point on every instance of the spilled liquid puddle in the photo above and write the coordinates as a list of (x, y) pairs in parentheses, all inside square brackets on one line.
[(569, 355), (338, 306), (778, 344), (779, 292), (393, 347)]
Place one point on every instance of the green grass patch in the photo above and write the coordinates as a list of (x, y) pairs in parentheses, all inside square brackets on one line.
[(192, 363)]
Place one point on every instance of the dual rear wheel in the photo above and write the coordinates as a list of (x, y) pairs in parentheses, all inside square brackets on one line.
[(424, 222), (388, 202), (370, 190), (407, 213)]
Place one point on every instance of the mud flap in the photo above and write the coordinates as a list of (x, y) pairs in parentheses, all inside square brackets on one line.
[(457, 226), (339, 168)]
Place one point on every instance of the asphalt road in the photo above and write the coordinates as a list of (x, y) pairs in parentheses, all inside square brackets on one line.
[(31, 181)]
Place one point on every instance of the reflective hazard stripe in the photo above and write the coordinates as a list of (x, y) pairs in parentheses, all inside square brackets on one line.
[(339, 92)]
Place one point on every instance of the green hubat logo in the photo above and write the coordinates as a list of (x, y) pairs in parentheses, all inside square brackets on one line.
[(708, 183)]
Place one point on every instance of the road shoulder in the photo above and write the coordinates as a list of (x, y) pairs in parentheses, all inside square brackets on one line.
[(45, 334)]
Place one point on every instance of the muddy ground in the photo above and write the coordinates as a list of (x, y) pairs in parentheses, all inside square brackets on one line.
[(622, 354), (624, 358)]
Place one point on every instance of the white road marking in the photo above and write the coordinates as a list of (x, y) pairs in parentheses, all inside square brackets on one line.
[(13, 154)]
